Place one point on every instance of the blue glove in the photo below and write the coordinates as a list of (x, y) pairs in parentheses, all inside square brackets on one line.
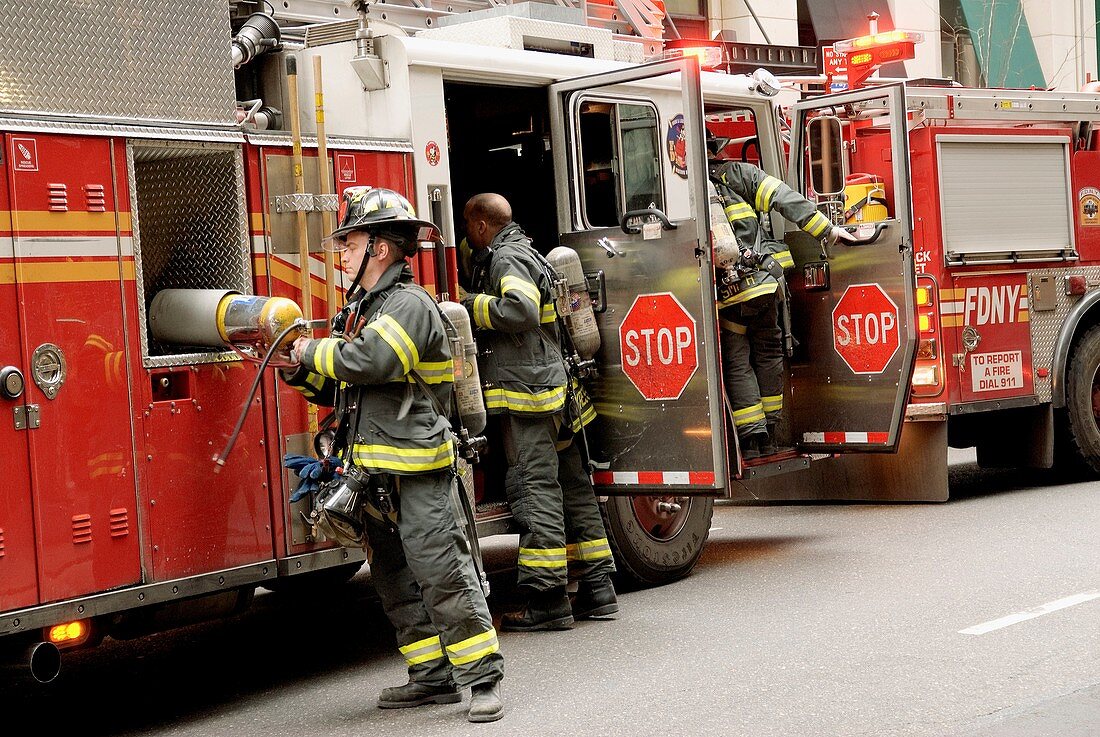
[(312, 473)]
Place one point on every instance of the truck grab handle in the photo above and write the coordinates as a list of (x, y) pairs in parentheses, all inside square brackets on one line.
[(647, 212)]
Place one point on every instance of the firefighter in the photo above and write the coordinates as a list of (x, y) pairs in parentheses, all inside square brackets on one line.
[(387, 368), (528, 388), (748, 317)]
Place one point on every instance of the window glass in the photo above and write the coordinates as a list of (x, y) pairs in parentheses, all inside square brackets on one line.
[(620, 160), (641, 157)]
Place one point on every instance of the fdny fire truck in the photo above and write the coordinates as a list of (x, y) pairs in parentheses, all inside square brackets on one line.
[(152, 148), (1006, 212)]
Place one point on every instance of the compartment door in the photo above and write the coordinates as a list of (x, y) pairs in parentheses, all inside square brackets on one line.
[(70, 272), (632, 201), (18, 578), (853, 304)]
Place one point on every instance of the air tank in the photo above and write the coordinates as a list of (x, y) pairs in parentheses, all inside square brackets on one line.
[(723, 241), (467, 385), (577, 314), (219, 318)]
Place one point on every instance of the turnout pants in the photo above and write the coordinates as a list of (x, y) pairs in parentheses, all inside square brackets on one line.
[(425, 577), (552, 501), (752, 363)]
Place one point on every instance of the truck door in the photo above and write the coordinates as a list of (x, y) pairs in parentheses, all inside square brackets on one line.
[(632, 201), (852, 304), (18, 579), (70, 273)]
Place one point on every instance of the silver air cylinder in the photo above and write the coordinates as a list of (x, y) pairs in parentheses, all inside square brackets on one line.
[(724, 242), (579, 318), (216, 318), (467, 386)]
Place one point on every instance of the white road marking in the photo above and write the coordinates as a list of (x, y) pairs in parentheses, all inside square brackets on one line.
[(714, 529), (1053, 606)]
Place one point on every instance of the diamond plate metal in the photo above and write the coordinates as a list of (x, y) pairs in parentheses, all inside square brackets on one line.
[(1046, 325), (190, 228), (144, 60)]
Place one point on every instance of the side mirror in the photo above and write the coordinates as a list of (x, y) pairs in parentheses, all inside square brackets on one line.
[(826, 140)]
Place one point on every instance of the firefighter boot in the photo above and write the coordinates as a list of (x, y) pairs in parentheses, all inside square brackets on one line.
[(595, 600), (545, 610), (773, 441), (753, 445), (418, 694), (486, 704)]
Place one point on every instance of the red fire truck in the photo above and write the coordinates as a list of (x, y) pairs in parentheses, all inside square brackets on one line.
[(150, 147), (1006, 214)]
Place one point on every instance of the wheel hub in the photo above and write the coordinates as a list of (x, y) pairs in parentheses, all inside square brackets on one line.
[(661, 517)]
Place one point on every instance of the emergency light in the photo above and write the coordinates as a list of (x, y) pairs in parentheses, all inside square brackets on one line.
[(865, 54)]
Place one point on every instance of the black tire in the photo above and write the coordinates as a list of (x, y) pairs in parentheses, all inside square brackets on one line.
[(652, 549), (1082, 428), (321, 581)]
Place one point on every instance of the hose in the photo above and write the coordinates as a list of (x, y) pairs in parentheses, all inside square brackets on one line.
[(219, 460)]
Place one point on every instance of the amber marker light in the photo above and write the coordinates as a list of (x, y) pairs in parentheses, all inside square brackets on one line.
[(69, 633)]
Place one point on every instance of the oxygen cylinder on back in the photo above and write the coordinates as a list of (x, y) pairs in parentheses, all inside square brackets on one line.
[(467, 385), (724, 242), (575, 307)]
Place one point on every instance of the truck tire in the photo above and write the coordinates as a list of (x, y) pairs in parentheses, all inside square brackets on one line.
[(321, 581), (1082, 416), (654, 543)]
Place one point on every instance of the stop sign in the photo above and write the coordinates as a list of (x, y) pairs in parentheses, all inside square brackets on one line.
[(865, 328), (659, 347)]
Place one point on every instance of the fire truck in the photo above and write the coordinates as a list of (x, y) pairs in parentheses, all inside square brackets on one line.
[(1006, 213), (151, 147)]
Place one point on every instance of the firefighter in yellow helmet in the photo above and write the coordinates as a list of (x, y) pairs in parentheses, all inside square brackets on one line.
[(528, 389), (387, 369), (748, 317)]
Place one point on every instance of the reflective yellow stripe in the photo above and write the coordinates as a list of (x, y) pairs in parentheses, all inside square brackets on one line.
[(748, 415), (473, 648), (324, 357), (731, 326), (305, 391), (509, 283), (765, 192), (543, 557), (315, 380), (816, 225), (759, 289), (516, 401), (549, 313), (785, 259), (422, 651), (739, 211), (436, 372), (390, 330), (392, 458), (589, 550), (772, 404), (481, 311)]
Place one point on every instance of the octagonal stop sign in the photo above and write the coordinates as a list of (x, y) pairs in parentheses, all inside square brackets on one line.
[(865, 328), (659, 346)]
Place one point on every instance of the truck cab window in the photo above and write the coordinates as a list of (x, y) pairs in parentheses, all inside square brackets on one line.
[(619, 160)]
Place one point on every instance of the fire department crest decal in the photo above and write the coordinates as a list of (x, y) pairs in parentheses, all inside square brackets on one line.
[(1088, 206), (432, 153), (677, 146)]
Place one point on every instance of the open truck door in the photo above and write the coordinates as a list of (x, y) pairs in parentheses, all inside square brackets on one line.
[(853, 303), (632, 201)]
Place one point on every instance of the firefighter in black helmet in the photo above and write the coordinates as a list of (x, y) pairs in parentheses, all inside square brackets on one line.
[(387, 369), (748, 317)]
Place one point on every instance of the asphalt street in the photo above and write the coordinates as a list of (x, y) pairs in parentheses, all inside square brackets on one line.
[(975, 618)]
